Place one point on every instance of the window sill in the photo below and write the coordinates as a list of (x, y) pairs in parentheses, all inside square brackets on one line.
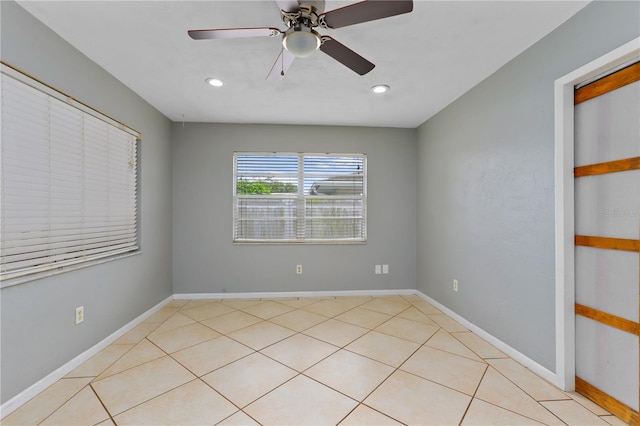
[(297, 243), (64, 269)]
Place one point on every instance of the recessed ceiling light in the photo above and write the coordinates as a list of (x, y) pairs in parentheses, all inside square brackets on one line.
[(380, 88), (214, 82)]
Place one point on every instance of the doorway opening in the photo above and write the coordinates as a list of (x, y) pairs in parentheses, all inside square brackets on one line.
[(566, 238)]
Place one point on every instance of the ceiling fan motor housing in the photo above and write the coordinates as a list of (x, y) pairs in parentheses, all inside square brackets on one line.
[(307, 15)]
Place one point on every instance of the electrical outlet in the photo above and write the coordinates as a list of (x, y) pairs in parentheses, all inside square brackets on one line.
[(79, 314), (455, 285), (378, 269), (298, 269), (385, 269)]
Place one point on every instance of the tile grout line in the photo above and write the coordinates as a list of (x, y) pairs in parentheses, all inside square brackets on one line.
[(254, 351), (239, 409), (149, 399), (166, 354), (525, 392), (102, 403), (374, 329), (61, 405), (301, 373), (107, 367), (258, 351), (450, 353), (507, 378), (473, 397), (385, 379), (111, 365), (487, 366), (360, 401), (531, 396), (298, 373)]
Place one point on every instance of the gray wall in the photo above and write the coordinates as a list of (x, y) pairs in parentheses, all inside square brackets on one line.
[(38, 329), (486, 186), (204, 258)]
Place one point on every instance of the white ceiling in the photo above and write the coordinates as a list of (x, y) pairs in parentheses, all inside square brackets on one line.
[(429, 57)]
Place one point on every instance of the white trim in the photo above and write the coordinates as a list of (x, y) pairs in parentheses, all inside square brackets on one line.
[(23, 397), (508, 350), (4, 283), (564, 204), (294, 294), (299, 197), (607, 73)]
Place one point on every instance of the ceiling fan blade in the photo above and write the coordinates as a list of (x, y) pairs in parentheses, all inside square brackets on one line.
[(233, 33), (345, 56), (288, 5), (281, 65), (365, 11)]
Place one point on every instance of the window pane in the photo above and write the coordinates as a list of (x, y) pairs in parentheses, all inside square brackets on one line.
[(333, 175), (266, 218), (336, 219), (267, 174)]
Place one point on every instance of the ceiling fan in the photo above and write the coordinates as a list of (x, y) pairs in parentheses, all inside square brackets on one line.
[(300, 39)]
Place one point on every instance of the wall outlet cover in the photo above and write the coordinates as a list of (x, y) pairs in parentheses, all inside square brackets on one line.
[(79, 314)]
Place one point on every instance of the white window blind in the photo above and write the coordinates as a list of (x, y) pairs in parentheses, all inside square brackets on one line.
[(68, 182), (299, 198)]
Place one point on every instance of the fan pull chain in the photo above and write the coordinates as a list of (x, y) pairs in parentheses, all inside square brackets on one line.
[(282, 62)]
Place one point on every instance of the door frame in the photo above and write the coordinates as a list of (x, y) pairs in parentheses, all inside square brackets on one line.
[(564, 202)]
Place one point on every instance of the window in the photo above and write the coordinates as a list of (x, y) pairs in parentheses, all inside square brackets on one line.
[(68, 181), (300, 198)]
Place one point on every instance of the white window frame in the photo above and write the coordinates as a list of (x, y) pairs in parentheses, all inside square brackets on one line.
[(42, 252), (301, 198)]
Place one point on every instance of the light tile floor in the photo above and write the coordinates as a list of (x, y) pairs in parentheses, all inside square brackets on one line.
[(326, 361)]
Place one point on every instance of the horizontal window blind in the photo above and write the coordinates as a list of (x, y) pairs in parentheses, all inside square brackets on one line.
[(299, 197), (68, 183)]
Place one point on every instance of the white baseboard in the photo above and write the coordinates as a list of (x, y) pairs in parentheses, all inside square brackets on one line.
[(292, 294), (508, 350), (23, 397)]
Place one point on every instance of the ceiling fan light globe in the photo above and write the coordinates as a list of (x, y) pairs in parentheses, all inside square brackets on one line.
[(301, 43)]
